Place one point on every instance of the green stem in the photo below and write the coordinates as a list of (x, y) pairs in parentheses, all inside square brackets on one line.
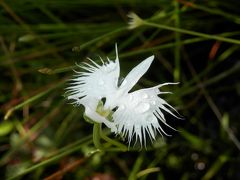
[(136, 167), (30, 100), (193, 33), (73, 148), (96, 135), (107, 35), (177, 49), (113, 142), (172, 44)]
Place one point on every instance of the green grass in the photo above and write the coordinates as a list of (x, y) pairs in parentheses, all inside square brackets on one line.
[(194, 42)]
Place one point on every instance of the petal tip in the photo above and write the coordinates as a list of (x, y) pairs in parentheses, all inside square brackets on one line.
[(150, 59), (147, 62)]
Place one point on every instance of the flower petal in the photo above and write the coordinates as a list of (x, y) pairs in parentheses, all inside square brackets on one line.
[(96, 81), (139, 113), (135, 74), (93, 115)]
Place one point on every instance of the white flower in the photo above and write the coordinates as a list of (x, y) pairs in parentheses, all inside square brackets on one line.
[(136, 115)]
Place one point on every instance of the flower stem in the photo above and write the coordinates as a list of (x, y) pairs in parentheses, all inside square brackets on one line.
[(96, 135), (193, 33), (113, 142)]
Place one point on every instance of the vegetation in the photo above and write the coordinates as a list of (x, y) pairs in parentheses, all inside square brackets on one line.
[(195, 43)]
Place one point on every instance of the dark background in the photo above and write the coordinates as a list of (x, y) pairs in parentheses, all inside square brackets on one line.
[(46, 137)]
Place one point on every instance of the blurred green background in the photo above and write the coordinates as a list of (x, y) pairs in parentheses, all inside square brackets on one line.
[(194, 42)]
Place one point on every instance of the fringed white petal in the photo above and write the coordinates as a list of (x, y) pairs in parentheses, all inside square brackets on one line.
[(139, 113), (96, 81)]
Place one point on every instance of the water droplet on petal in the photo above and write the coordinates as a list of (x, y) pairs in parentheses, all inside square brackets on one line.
[(130, 97), (101, 82), (145, 96), (143, 108), (122, 107), (154, 102)]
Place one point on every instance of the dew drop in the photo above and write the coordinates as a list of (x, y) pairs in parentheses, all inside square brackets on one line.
[(122, 107), (154, 102), (130, 97), (101, 82), (143, 108), (145, 96)]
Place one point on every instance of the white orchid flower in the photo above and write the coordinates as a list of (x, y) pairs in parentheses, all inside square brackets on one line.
[(134, 114)]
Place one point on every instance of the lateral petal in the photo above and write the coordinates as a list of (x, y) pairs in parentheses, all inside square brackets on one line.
[(96, 81)]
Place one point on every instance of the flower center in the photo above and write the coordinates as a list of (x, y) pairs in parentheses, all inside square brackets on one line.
[(107, 113)]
